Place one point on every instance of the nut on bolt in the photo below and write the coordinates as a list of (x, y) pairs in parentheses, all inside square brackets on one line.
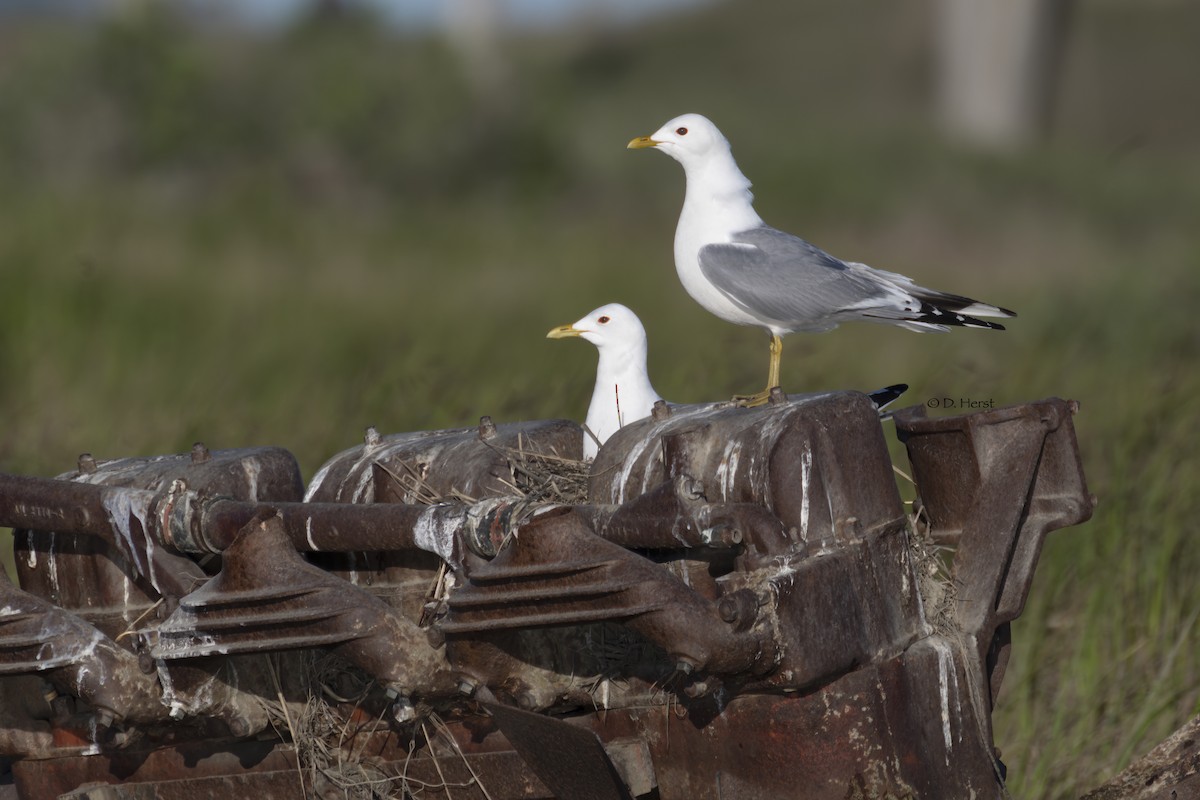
[(723, 535), (371, 438), (487, 428), (200, 453), (684, 665), (403, 709), (739, 609), (87, 464)]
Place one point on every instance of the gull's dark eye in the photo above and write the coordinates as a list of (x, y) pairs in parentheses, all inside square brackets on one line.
[(681, 131), (603, 320)]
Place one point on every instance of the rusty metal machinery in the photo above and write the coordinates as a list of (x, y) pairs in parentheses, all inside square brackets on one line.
[(730, 603)]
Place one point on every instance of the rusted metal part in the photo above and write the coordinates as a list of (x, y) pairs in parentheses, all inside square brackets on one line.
[(277, 785), (222, 696), (570, 761), (556, 571), (267, 598), (899, 728), (815, 461), (25, 711), (189, 522), (469, 462), (996, 483), (77, 658), (734, 613), (125, 502), (418, 468), (441, 528), (855, 604), (194, 760), (675, 515), (122, 516), (664, 518)]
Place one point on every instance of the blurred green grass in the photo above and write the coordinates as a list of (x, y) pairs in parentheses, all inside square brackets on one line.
[(280, 241)]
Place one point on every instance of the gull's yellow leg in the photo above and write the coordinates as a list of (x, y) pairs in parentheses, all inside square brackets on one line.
[(760, 398), (776, 358)]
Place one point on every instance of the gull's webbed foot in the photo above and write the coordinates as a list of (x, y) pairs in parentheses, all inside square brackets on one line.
[(752, 400)]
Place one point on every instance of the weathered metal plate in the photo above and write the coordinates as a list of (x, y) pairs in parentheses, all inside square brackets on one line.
[(412, 467), (113, 585), (814, 461), (735, 614)]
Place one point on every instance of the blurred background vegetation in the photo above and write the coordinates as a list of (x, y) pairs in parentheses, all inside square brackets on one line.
[(279, 237)]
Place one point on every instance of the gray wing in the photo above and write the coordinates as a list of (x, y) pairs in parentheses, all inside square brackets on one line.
[(785, 280)]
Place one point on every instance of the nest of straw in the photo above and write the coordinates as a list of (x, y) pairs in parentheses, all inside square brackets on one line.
[(934, 582), (534, 477)]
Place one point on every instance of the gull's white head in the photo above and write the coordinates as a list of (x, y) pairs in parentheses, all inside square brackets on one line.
[(689, 139), (622, 393), (610, 327)]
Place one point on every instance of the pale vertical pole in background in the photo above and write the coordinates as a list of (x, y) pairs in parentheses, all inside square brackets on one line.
[(475, 29), (996, 68)]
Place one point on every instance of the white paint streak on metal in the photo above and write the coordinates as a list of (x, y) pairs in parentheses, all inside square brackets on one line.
[(655, 459), (52, 567), (364, 490), (122, 506), (315, 485), (366, 456), (126, 608), (308, 534), (635, 454), (435, 529), (94, 736), (169, 698), (50, 657), (727, 469), (768, 434), (946, 673), (805, 487), (652, 438), (252, 469)]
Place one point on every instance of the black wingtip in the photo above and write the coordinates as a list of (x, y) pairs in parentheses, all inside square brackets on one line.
[(941, 315), (887, 395)]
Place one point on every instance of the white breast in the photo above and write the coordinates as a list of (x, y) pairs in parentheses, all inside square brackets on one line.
[(703, 223)]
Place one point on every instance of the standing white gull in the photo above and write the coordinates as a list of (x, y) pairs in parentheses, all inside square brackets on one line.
[(748, 273), (623, 393)]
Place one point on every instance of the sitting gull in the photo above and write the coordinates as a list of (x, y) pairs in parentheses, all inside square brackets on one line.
[(748, 273), (623, 393)]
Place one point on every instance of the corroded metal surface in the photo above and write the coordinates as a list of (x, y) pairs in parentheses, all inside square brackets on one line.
[(995, 483), (730, 609)]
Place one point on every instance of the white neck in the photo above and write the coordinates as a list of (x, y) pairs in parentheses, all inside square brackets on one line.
[(626, 368), (623, 392), (718, 197)]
